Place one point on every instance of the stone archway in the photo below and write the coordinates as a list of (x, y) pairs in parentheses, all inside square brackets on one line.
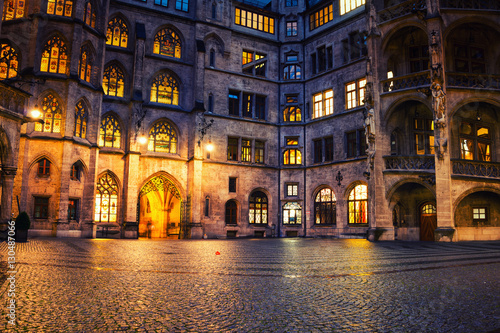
[(159, 209)]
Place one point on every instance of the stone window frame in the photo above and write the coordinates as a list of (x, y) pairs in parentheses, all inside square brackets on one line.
[(325, 211), (16, 7), (258, 208), (231, 212), (41, 207), (9, 60), (479, 220), (355, 93), (117, 24)]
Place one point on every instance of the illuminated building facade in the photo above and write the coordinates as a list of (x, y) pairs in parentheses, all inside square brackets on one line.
[(340, 118)]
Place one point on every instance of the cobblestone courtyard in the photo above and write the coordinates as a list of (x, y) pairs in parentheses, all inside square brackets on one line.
[(254, 285)]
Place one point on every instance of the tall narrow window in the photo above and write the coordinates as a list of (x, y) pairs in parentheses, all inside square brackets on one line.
[(291, 29), (210, 103), (259, 151), (9, 61), (232, 184), (325, 207), (75, 171), (257, 208), (43, 167), (318, 151), (323, 103), (110, 132), (113, 81), (358, 205), (52, 115), (475, 141), (207, 206), (182, 5), (89, 15), (234, 103), (423, 133), (329, 149), (54, 56), (81, 119), (246, 150), (214, 10), (73, 209), (117, 33), (86, 62), (247, 105), (292, 213), (351, 144), (165, 89), (60, 7), (106, 199), (260, 107), (232, 149), (167, 43), (212, 58), (163, 138), (13, 9), (231, 212)]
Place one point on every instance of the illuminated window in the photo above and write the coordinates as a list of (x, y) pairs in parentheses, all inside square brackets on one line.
[(475, 141), (257, 212), (259, 151), (110, 132), (254, 63), (323, 103), (254, 21), (292, 72), (163, 138), (292, 157), (325, 207), (347, 5), (292, 190), (43, 167), (86, 62), (291, 28), (89, 15), (355, 93), (13, 9), (246, 150), (292, 213), (320, 17), (292, 113), (423, 132), (182, 5), (358, 205), (106, 199), (52, 116), (73, 209), (60, 7), (54, 56), (113, 81), (9, 61), (81, 119), (117, 33), (165, 90), (480, 215), (41, 207), (167, 43), (231, 212)]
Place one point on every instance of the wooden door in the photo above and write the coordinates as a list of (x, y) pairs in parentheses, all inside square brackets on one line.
[(428, 221)]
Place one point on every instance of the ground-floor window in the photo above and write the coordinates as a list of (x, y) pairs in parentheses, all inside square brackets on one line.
[(41, 208), (257, 208), (231, 212), (106, 199), (325, 207), (358, 205), (292, 213)]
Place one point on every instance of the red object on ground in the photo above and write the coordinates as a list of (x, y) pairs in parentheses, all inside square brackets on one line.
[(217, 253)]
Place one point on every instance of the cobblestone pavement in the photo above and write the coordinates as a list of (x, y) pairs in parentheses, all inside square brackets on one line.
[(254, 285)]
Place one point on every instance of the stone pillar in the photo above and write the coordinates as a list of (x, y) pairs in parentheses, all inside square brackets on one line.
[(87, 210), (8, 174), (62, 221), (195, 180), (130, 196)]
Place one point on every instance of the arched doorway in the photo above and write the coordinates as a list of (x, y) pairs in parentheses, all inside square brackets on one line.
[(428, 221), (159, 209)]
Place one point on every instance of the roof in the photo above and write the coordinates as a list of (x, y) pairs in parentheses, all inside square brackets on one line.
[(264, 4)]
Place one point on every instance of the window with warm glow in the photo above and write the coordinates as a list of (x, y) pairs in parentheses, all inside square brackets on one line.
[(86, 62), (81, 119), (167, 43), (323, 103), (246, 150), (60, 7), (475, 141), (163, 138), (106, 199), (9, 61), (89, 15), (259, 151), (253, 20), (110, 132), (423, 132), (113, 81), (254, 63), (292, 213), (292, 157), (347, 5), (325, 207), (51, 115), (358, 205), (320, 17), (13, 9), (355, 93), (165, 90), (257, 211), (292, 190), (117, 33), (54, 56), (480, 215)]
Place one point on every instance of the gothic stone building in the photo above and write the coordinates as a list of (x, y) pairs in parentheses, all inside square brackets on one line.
[(339, 118)]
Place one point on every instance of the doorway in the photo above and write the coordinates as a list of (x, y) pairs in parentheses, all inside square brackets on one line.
[(428, 221)]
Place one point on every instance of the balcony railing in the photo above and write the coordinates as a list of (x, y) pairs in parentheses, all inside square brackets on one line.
[(473, 81), (409, 162), (471, 4), (405, 8), (476, 168), (413, 80)]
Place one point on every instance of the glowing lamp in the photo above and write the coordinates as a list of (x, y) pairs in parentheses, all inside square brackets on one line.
[(35, 113), (143, 140), (210, 146)]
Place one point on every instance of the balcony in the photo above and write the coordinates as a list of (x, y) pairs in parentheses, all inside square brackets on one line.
[(405, 8), (476, 169), (414, 80), (409, 163), (473, 81), (471, 4)]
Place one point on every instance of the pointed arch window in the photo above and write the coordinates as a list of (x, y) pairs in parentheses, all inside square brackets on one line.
[(106, 199), (54, 56), (81, 119), (113, 81), (168, 43), (13, 9), (52, 115), (257, 208), (9, 61), (43, 168), (117, 33), (60, 7), (231, 212), (86, 62), (358, 205), (110, 132), (89, 15), (325, 207), (163, 138), (165, 89)]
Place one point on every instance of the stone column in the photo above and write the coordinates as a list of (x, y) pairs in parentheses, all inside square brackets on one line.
[(130, 196), (8, 174)]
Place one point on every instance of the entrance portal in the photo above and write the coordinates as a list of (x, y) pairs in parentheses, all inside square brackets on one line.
[(159, 209), (428, 222)]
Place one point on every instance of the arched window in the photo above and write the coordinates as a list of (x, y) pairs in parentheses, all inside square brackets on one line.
[(231, 212), (257, 213), (13, 9), (9, 61), (81, 119), (475, 141), (292, 213), (113, 81), (292, 157), (75, 171), (60, 7), (52, 115), (165, 89), (163, 138), (110, 133), (86, 62), (325, 207), (292, 113), (358, 205), (54, 56), (89, 15), (117, 34), (167, 43), (106, 199), (292, 72)]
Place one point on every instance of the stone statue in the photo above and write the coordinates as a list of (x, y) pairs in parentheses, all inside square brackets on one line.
[(369, 126), (438, 96)]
